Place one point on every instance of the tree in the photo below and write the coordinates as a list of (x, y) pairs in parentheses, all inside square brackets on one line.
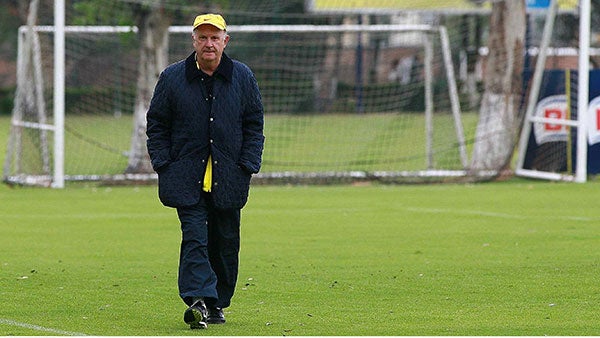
[(153, 33), (152, 21), (498, 125)]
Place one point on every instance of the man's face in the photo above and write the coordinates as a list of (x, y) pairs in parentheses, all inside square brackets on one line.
[(209, 43)]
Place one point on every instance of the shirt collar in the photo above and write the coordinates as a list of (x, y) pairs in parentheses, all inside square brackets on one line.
[(224, 70)]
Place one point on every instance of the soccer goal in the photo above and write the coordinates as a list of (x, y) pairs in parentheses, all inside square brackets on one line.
[(341, 102), (559, 139)]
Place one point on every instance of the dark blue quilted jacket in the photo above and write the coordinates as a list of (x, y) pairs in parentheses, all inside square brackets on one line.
[(183, 128)]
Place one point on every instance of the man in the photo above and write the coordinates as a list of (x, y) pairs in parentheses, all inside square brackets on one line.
[(205, 140)]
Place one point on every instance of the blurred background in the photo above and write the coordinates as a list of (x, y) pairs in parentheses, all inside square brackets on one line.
[(366, 103)]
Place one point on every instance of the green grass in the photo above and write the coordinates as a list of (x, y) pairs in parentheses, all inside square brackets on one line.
[(97, 145), (368, 142), (511, 258), (4, 132)]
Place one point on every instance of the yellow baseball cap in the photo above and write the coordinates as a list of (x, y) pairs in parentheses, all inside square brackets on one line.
[(210, 19)]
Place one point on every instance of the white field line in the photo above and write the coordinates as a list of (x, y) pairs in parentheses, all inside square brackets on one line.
[(40, 328), (498, 214)]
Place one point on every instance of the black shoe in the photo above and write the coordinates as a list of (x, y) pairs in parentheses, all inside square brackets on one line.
[(215, 316), (196, 315)]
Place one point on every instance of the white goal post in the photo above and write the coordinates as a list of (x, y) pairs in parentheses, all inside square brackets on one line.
[(429, 36), (534, 115)]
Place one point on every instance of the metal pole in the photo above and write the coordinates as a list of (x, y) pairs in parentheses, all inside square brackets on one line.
[(583, 90), (59, 94), (453, 91)]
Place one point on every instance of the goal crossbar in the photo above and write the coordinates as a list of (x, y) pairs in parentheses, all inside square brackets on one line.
[(250, 28)]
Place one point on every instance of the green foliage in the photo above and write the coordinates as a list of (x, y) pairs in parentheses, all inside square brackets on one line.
[(9, 25), (513, 258), (101, 12), (413, 96), (81, 96), (6, 100)]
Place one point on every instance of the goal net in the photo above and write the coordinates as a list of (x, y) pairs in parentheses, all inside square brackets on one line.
[(341, 102)]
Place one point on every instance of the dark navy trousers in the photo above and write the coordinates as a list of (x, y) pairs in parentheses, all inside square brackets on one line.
[(209, 256)]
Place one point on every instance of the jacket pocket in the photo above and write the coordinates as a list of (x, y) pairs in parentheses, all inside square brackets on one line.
[(231, 184), (178, 182)]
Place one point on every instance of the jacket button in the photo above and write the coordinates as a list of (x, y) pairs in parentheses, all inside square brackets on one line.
[(211, 141), (216, 183), (215, 162), (211, 119)]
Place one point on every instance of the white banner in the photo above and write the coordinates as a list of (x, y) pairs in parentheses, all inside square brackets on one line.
[(554, 107), (593, 121)]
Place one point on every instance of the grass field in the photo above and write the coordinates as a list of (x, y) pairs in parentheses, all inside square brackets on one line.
[(370, 142), (97, 145), (511, 258)]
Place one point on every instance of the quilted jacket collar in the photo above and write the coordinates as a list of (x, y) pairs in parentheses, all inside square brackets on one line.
[(225, 68)]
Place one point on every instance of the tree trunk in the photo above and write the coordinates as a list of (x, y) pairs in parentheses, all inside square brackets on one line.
[(153, 26), (498, 127)]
